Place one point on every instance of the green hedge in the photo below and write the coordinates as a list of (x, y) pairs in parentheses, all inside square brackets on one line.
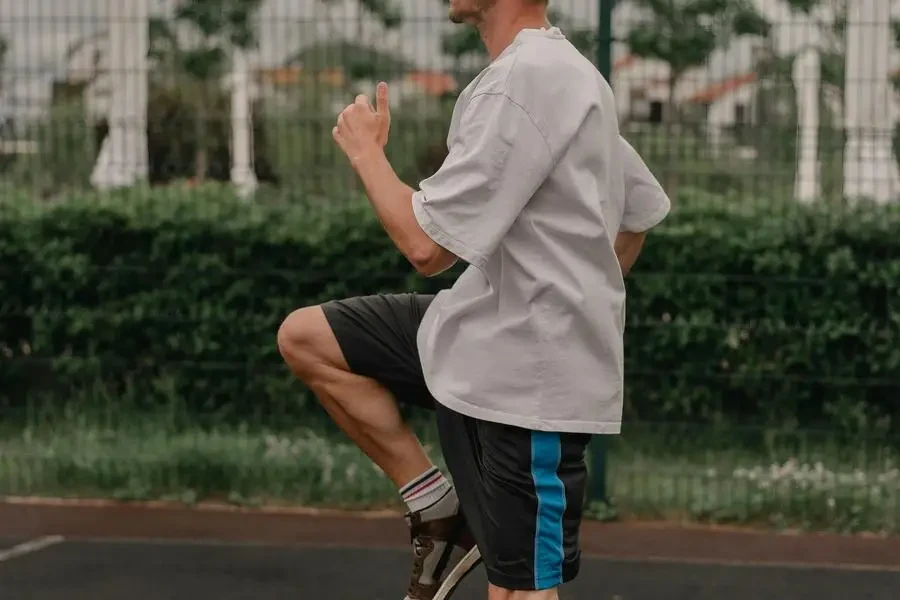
[(171, 299)]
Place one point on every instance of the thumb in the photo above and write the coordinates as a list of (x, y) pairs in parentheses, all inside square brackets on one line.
[(382, 101)]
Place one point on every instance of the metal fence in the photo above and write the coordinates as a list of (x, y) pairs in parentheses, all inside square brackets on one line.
[(748, 96), (761, 101)]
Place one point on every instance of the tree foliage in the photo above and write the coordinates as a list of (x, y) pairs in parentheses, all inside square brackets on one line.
[(360, 57), (215, 28), (684, 33), (386, 12)]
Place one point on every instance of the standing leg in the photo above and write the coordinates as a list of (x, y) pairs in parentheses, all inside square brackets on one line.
[(523, 495)]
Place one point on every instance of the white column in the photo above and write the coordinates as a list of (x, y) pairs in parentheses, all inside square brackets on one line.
[(243, 175), (807, 75), (870, 168), (123, 157)]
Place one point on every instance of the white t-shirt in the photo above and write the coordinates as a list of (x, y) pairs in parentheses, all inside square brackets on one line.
[(536, 186)]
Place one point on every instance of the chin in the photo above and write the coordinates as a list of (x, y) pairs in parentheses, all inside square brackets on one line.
[(464, 12), (464, 18), (457, 17)]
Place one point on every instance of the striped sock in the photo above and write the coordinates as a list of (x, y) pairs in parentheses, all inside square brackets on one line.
[(427, 490)]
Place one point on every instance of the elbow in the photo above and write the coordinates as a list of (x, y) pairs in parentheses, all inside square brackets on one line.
[(628, 246), (428, 271), (429, 259), (422, 258), (424, 269)]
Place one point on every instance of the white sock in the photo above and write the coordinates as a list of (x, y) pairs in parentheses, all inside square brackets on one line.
[(429, 490)]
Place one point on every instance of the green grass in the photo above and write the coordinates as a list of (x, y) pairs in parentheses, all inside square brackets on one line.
[(739, 476), (750, 476), (302, 467)]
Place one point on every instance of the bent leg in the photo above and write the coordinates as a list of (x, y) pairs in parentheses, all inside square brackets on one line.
[(359, 357), (362, 407)]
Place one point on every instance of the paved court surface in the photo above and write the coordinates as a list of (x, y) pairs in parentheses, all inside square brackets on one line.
[(346, 559), (191, 571)]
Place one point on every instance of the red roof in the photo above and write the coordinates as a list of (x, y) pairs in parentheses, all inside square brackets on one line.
[(433, 83), (717, 90)]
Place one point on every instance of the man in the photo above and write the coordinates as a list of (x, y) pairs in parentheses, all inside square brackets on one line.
[(522, 359)]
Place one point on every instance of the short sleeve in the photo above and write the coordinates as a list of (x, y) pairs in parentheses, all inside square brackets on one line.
[(646, 203), (497, 160)]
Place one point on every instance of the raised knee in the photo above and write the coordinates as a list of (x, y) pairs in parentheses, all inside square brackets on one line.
[(297, 335)]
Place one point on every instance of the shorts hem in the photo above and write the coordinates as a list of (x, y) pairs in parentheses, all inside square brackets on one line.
[(332, 310), (499, 579)]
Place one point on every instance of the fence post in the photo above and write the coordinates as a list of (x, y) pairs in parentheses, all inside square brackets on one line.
[(597, 491), (605, 38)]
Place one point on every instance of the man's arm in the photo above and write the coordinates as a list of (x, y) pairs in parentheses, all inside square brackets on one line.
[(393, 203), (362, 134), (628, 247), (646, 205), (496, 161)]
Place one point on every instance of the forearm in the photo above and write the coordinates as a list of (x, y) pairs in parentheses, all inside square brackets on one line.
[(392, 201), (628, 247)]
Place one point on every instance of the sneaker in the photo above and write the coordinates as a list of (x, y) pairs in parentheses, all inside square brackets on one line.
[(444, 553)]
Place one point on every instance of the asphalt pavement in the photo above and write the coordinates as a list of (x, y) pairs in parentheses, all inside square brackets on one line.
[(137, 569)]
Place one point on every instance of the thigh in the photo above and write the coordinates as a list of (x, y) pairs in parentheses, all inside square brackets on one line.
[(523, 494), (377, 336)]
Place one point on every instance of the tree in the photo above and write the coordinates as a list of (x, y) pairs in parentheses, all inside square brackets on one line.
[(198, 67), (385, 12), (833, 34), (833, 40), (362, 59), (683, 34), (356, 60)]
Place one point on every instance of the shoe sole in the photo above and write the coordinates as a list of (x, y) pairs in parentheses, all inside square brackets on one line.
[(468, 563)]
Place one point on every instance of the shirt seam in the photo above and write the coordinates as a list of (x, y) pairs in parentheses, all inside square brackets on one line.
[(527, 114)]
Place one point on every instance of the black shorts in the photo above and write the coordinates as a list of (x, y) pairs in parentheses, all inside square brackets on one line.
[(521, 491)]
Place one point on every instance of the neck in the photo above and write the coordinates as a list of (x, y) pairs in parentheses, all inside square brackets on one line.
[(498, 31)]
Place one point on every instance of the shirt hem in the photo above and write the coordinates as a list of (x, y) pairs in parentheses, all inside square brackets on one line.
[(648, 223), (530, 423), (441, 237)]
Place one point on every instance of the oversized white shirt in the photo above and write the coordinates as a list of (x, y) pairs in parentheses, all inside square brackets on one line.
[(536, 186)]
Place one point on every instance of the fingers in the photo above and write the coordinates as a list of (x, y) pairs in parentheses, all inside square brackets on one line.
[(359, 116), (353, 112), (338, 137), (382, 101), (346, 121)]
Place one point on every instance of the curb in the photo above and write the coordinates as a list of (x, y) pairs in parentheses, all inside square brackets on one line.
[(201, 507)]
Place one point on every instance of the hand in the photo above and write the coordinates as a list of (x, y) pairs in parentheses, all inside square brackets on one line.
[(361, 128)]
